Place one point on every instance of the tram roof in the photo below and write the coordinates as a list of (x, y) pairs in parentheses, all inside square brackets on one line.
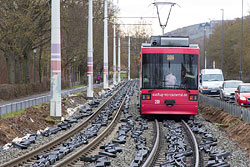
[(170, 41)]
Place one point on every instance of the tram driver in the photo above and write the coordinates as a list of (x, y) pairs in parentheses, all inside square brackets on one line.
[(170, 79), (187, 78)]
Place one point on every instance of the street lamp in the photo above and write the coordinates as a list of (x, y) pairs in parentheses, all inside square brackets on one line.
[(34, 64), (204, 43), (241, 43), (222, 39), (209, 36)]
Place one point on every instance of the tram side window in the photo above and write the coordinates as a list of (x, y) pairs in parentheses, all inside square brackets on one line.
[(146, 82)]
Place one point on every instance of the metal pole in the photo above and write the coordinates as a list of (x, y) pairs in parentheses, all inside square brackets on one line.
[(162, 27), (209, 55), (205, 60), (105, 54), (34, 63), (119, 58), (55, 88), (128, 57), (90, 51), (114, 56), (222, 40), (74, 71), (241, 44), (204, 43)]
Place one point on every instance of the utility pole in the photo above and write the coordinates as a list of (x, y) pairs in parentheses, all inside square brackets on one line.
[(241, 43), (74, 71), (55, 87), (90, 51), (114, 56), (204, 43), (119, 47), (222, 40), (209, 56), (128, 57), (209, 38), (119, 58), (105, 54), (34, 65)]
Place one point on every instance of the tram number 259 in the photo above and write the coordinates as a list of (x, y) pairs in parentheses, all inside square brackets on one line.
[(157, 101)]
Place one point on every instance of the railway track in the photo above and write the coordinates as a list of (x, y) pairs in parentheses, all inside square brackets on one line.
[(74, 159), (195, 147), (155, 150), (31, 157), (156, 159), (159, 147)]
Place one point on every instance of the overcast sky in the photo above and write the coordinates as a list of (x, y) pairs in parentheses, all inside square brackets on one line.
[(190, 11)]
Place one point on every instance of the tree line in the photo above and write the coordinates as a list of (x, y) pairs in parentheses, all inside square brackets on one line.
[(231, 48), (25, 32)]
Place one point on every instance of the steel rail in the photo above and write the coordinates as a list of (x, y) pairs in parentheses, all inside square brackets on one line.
[(196, 148), (94, 142), (22, 159), (151, 157)]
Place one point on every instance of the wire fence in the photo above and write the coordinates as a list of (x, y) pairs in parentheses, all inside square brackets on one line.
[(14, 107), (232, 109)]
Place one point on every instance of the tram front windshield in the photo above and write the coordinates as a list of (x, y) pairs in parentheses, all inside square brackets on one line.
[(170, 71)]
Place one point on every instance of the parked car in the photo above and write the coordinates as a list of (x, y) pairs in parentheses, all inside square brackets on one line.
[(242, 95), (228, 88)]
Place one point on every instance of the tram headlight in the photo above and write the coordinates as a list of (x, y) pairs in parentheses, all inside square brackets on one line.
[(193, 97), (154, 43), (146, 96)]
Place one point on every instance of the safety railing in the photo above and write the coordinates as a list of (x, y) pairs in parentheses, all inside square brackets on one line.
[(232, 109), (14, 107)]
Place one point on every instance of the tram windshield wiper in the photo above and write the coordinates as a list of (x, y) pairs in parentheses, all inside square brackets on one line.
[(150, 90), (184, 86)]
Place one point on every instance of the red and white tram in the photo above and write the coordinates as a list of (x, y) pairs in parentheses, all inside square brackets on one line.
[(169, 76)]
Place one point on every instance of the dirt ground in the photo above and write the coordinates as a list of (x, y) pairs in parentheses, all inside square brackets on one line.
[(36, 118), (237, 130)]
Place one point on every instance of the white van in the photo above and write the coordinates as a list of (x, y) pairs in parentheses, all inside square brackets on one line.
[(210, 81)]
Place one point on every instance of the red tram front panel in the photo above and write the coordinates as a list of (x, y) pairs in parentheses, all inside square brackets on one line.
[(169, 102), (158, 98)]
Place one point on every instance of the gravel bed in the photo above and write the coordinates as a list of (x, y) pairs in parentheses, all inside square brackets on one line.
[(238, 157), (12, 152), (125, 157), (129, 148)]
